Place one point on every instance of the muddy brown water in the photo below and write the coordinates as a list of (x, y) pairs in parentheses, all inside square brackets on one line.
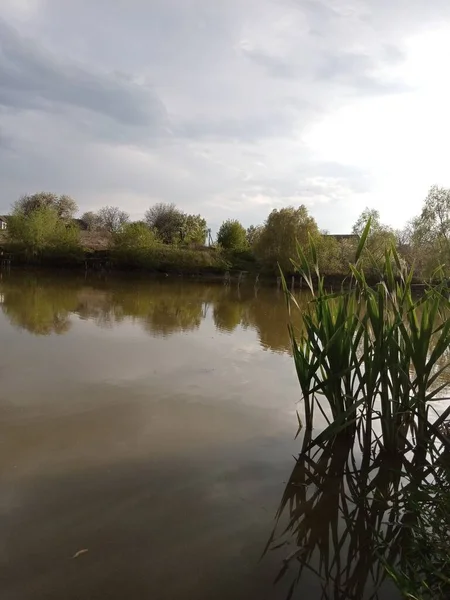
[(146, 435)]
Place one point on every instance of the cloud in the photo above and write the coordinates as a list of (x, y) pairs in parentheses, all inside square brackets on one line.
[(31, 78), (227, 108)]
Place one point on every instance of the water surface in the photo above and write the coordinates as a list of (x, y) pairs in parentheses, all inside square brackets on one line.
[(149, 423), (147, 435)]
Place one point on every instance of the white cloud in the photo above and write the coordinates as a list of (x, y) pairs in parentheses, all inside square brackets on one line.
[(402, 140)]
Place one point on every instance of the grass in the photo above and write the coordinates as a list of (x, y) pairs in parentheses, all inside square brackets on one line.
[(166, 258)]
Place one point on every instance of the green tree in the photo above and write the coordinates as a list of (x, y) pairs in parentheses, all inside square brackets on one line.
[(42, 230), (428, 235), (329, 254), (194, 230), (367, 213), (232, 235), (64, 206), (380, 238), (135, 236), (283, 228), (253, 233)]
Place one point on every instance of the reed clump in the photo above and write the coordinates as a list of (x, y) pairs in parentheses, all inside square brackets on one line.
[(369, 495), (373, 358)]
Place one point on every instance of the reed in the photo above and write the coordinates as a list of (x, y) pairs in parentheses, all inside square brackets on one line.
[(373, 355), (369, 494)]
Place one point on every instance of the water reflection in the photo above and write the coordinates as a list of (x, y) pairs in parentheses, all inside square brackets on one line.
[(44, 305), (41, 309), (348, 515)]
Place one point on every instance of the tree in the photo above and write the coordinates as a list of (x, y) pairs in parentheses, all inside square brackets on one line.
[(112, 219), (330, 254), (361, 222), (167, 220), (232, 235), (253, 233), (428, 235), (91, 221), (134, 236), (42, 229), (380, 238), (194, 230), (283, 228), (64, 205), (174, 226)]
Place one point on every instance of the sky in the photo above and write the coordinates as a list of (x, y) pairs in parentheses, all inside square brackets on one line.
[(228, 108)]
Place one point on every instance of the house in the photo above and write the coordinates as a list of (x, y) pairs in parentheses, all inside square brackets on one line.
[(3, 222)]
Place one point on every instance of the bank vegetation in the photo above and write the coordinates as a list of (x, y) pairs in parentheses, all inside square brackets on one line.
[(42, 229)]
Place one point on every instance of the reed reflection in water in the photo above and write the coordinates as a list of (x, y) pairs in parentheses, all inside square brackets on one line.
[(349, 514)]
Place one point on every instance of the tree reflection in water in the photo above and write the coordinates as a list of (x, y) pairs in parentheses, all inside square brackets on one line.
[(41, 309), (43, 304)]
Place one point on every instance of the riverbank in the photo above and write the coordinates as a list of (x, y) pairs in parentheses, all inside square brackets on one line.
[(202, 262)]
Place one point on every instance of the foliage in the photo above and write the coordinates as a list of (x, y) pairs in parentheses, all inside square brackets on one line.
[(64, 206), (167, 220), (174, 226), (282, 231), (112, 219), (132, 242), (330, 255), (42, 230), (91, 221), (232, 235), (428, 235), (380, 238), (134, 235), (424, 242), (194, 230), (361, 222), (252, 234)]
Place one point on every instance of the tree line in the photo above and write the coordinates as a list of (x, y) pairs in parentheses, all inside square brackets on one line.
[(44, 223)]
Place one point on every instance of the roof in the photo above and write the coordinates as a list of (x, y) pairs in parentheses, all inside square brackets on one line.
[(344, 236), (4, 218)]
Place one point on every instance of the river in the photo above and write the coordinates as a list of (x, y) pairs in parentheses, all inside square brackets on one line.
[(147, 432)]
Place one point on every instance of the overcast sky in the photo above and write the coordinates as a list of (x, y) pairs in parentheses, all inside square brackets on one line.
[(229, 108)]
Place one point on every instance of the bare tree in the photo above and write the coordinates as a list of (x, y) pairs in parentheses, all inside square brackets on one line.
[(112, 219)]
